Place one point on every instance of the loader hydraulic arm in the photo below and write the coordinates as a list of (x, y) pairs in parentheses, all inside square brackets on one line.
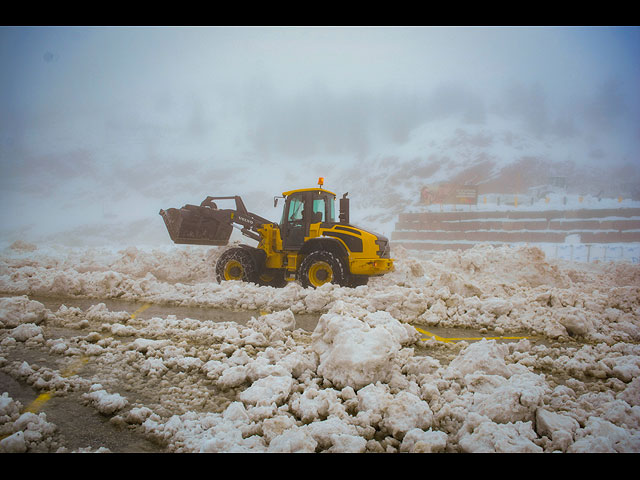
[(250, 222)]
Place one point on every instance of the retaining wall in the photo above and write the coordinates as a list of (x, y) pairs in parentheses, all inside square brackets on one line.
[(464, 229)]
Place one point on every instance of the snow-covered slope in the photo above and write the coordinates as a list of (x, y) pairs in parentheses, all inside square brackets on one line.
[(499, 157), (112, 192)]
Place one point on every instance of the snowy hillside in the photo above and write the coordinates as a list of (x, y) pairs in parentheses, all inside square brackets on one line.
[(501, 158), (99, 201)]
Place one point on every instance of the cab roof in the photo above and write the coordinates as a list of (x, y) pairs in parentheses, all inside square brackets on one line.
[(286, 194)]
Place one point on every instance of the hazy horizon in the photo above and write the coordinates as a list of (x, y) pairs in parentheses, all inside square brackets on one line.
[(91, 114)]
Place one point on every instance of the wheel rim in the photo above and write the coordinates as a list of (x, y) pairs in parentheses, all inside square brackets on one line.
[(233, 270), (320, 273)]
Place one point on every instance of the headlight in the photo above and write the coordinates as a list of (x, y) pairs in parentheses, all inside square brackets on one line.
[(384, 251)]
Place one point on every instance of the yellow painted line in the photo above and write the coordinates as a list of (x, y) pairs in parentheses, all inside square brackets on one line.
[(487, 338), (140, 310), (74, 367), (431, 335), (39, 402), (43, 398), (457, 339)]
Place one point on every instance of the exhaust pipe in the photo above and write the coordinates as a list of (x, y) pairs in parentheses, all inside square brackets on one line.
[(344, 209)]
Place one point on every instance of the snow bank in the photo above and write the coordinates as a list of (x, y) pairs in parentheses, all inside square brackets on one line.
[(363, 380), (504, 289)]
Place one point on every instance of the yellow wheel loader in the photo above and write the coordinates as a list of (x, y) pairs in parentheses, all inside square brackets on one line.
[(308, 244)]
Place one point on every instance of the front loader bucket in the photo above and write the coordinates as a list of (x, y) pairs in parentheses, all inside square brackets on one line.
[(198, 225)]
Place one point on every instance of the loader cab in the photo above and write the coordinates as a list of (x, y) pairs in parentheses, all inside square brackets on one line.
[(301, 209)]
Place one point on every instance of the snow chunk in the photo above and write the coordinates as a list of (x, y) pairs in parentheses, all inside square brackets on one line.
[(24, 332), (268, 390), (419, 441), (513, 399), (18, 310), (335, 433), (406, 412), (105, 403), (232, 377), (481, 435), (314, 404), (283, 320), (153, 367), (485, 356), (270, 327), (293, 440), (602, 436), (557, 427), (394, 414), (14, 443), (26, 432), (355, 352)]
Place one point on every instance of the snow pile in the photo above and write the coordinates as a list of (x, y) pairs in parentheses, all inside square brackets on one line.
[(15, 311), (286, 403), (364, 380), (356, 352), (105, 403), (24, 432), (23, 315)]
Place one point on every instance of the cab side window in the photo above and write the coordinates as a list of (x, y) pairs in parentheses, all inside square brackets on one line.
[(296, 207), (318, 208)]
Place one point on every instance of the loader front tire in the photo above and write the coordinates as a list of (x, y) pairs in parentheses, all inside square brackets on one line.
[(322, 267), (236, 264)]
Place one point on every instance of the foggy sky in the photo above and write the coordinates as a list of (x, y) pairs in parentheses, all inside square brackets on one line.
[(159, 72), (96, 113)]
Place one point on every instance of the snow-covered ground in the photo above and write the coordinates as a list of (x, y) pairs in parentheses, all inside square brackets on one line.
[(367, 379)]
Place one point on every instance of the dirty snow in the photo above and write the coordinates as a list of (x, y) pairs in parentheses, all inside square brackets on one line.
[(365, 380)]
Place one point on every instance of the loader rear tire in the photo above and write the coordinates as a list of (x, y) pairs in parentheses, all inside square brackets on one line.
[(322, 267), (236, 264)]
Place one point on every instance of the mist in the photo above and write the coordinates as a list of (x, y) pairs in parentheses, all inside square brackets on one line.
[(100, 127)]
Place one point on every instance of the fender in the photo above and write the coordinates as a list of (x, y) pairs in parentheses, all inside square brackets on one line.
[(352, 242), (324, 243)]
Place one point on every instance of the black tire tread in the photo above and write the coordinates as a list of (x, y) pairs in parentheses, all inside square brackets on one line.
[(340, 272), (244, 257)]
